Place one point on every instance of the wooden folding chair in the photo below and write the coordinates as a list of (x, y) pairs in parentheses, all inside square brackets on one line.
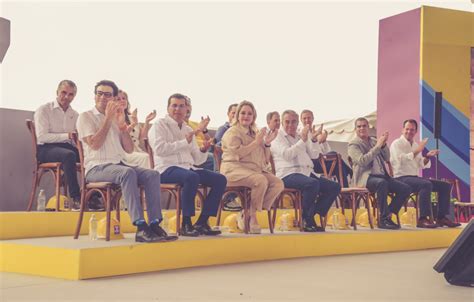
[(461, 207), (55, 168), (352, 195)]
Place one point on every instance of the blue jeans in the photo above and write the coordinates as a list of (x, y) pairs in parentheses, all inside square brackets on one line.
[(318, 193), (189, 180)]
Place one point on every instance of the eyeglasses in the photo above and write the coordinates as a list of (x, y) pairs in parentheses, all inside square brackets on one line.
[(178, 106), (105, 94)]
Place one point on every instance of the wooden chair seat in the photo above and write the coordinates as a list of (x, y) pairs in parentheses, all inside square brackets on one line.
[(99, 185), (54, 165)]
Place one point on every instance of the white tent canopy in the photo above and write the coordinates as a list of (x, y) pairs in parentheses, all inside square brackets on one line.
[(343, 130)]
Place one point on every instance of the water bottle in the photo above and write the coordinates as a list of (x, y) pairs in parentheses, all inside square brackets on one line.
[(93, 228), (164, 223), (335, 220), (41, 203), (284, 223)]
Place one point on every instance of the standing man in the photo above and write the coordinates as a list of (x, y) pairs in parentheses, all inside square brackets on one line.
[(319, 137), (176, 155), (406, 160), (369, 156), (55, 122), (103, 131), (293, 164)]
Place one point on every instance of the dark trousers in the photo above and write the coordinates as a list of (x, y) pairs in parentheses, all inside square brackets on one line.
[(346, 171), (318, 193), (68, 155), (424, 187), (189, 180), (382, 185)]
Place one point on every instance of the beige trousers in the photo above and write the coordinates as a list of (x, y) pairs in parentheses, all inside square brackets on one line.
[(265, 189)]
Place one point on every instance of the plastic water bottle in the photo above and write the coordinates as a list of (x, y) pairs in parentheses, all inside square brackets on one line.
[(335, 220), (41, 202), (284, 223), (165, 223), (93, 228)]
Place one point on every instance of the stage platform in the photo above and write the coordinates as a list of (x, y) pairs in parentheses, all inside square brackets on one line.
[(66, 258)]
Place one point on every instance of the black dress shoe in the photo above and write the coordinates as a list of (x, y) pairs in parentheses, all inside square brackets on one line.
[(155, 228), (387, 224), (441, 222), (425, 224), (189, 231), (205, 229), (145, 234), (309, 226)]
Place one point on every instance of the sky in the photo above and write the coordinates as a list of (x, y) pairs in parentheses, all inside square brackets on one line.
[(317, 55)]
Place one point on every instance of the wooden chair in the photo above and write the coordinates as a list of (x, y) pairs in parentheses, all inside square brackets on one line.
[(242, 192), (352, 195), (55, 168), (295, 196), (109, 192), (173, 189), (461, 207)]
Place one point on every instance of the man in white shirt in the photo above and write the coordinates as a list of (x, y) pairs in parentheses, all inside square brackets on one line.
[(103, 131), (321, 146), (55, 122), (292, 154), (176, 155), (407, 160)]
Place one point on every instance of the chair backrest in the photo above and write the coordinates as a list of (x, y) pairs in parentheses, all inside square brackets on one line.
[(149, 150), (31, 128), (333, 159), (455, 188), (218, 156)]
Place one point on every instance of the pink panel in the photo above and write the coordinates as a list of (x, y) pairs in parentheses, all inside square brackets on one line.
[(398, 85)]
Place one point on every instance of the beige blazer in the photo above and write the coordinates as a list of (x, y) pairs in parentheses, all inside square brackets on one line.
[(363, 156), (239, 158)]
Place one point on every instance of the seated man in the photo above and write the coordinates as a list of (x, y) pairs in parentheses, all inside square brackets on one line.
[(407, 159), (273, 121), (106, 139), (55, 122), (176, 153), (202, 138), (222, 129), (369, 156), (293, 165), (319, 137)]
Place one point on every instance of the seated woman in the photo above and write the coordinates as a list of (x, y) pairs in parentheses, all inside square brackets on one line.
[(138, 133), (246, 152)]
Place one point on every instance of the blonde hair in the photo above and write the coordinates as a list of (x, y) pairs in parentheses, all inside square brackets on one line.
[(253, 127)]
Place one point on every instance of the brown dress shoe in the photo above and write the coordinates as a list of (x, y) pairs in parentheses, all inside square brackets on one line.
[(426, 224), (441, 222)]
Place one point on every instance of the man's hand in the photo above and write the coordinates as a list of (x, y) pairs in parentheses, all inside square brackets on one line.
[(432, 153), (304, 133), (382, 140), (111, 110), (203, 124), (206, 145), (271, 136), (316, 132), (72, 136)]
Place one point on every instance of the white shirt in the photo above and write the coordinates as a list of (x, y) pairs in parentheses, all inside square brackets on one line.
[(53, 124), (291, 155), (111, 151), (170, 147), (403, 160)]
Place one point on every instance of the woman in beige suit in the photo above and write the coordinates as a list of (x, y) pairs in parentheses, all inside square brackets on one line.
[(246, 151)]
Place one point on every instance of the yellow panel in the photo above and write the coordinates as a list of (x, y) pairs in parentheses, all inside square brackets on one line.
[(446, 68), (39, 260), (446, 26)]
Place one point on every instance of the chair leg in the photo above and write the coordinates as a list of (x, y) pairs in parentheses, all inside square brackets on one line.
[(81, 214), (33, 189), (108, 200), (178, 211), (270, 222), (219, 212), (354, 211), (57, 179), (367, 206)]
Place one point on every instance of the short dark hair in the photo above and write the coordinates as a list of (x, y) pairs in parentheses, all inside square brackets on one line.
[(111, 84), (178, 96), (68, 83), (361, 119), (411, 121), (307, 111), (232, 106), (271, 114)]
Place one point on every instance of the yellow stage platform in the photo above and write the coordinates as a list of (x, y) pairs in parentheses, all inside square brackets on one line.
[(64, 257)]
